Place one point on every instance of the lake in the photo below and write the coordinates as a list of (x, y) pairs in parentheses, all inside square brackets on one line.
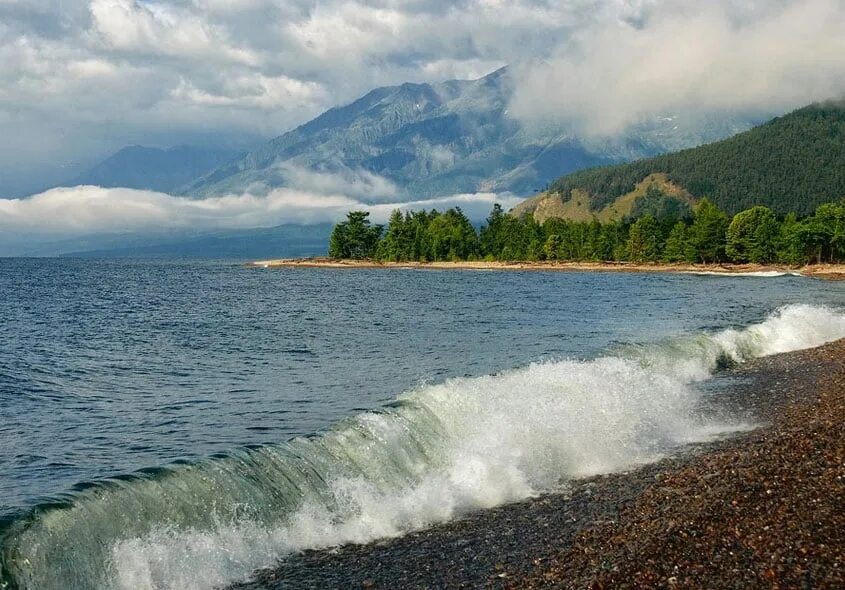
[(180, 423)]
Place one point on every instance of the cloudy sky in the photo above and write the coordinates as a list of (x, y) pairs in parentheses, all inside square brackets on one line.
[(82, 78)]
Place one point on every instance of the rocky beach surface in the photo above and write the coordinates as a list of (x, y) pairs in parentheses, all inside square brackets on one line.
[(764, 509)]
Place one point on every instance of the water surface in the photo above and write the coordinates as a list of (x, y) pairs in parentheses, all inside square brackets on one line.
[(108, 367)]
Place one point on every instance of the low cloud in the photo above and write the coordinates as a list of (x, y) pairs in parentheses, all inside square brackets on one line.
[(684, 56), (360, 184), (86, 210)]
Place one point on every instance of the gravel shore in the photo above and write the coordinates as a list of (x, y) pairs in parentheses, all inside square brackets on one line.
[(765, 509)]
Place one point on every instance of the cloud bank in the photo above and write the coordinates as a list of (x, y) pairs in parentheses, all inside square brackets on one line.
[(690, 56), (85, 210)]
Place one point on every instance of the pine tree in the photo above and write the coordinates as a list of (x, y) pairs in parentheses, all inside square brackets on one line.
[(707, 234), (644, 240), (355, 238), (676, 244), (752, 236)]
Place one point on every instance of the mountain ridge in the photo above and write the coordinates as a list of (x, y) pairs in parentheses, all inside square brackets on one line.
[(431, 140), (791, 163), (150, 168)]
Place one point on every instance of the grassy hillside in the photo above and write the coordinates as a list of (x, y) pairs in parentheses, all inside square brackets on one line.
[(580, 207), (792, 163)]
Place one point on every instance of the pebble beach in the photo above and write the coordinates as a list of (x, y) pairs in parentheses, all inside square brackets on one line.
[(763, 509)]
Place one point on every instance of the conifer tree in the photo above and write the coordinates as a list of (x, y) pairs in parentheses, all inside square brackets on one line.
[(752, 236), (706, 239), (676, 244)]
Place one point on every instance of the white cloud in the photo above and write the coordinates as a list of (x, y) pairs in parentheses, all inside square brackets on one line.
[(348, 30), (162, 28), (251, 92), (85, 210), (360, 184), (92, 209), (683, 56), (475, 205)]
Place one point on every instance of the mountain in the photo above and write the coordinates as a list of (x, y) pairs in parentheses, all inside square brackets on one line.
[(154, 169), (439, 139), (792, 163)]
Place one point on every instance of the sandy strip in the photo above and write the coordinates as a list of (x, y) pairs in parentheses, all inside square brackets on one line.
[(826, 271)]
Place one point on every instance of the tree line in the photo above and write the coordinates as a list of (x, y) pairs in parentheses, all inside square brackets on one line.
[(707, 235)]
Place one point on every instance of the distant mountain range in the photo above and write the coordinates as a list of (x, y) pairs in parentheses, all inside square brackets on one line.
[(792, 163), (425, 140), (288, 240), (448, 138), (155, 169)]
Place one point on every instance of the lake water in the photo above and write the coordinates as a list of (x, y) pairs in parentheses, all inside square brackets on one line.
[(211, 378)]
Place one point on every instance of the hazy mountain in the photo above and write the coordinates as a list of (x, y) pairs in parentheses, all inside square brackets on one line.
[(282, 241), (153, 168), (452, 137), (792, 163)]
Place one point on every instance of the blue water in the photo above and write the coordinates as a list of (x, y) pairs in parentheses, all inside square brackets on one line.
[(108, 367), (112, 366)]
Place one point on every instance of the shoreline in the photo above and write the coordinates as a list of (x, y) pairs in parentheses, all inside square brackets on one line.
[(759, 509), (822, 271)]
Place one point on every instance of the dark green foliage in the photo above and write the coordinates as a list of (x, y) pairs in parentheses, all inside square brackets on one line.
[(644, 240), (677, 249), (429, 236), (661, 206), (824, 233), (706, 236), (790, 246), (507, 238), (754, 235), (553, 247), (450, 236), (793, 163), (398, 242), (492, 234), (354, 238)]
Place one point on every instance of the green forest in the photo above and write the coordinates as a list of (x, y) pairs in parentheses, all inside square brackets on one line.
[(792, 163), (706, 235)]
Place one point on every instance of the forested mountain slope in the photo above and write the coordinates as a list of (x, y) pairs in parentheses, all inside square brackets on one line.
[(792, 163)]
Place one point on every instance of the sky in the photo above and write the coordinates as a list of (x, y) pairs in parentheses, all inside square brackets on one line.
[(81, 78)]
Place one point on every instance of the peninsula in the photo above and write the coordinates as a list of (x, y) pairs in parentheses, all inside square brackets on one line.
[(822, 271)]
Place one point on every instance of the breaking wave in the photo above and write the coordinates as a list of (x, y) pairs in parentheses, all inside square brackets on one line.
[(435, 453)]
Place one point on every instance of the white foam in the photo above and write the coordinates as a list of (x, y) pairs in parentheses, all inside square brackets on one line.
[(753, 273)]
